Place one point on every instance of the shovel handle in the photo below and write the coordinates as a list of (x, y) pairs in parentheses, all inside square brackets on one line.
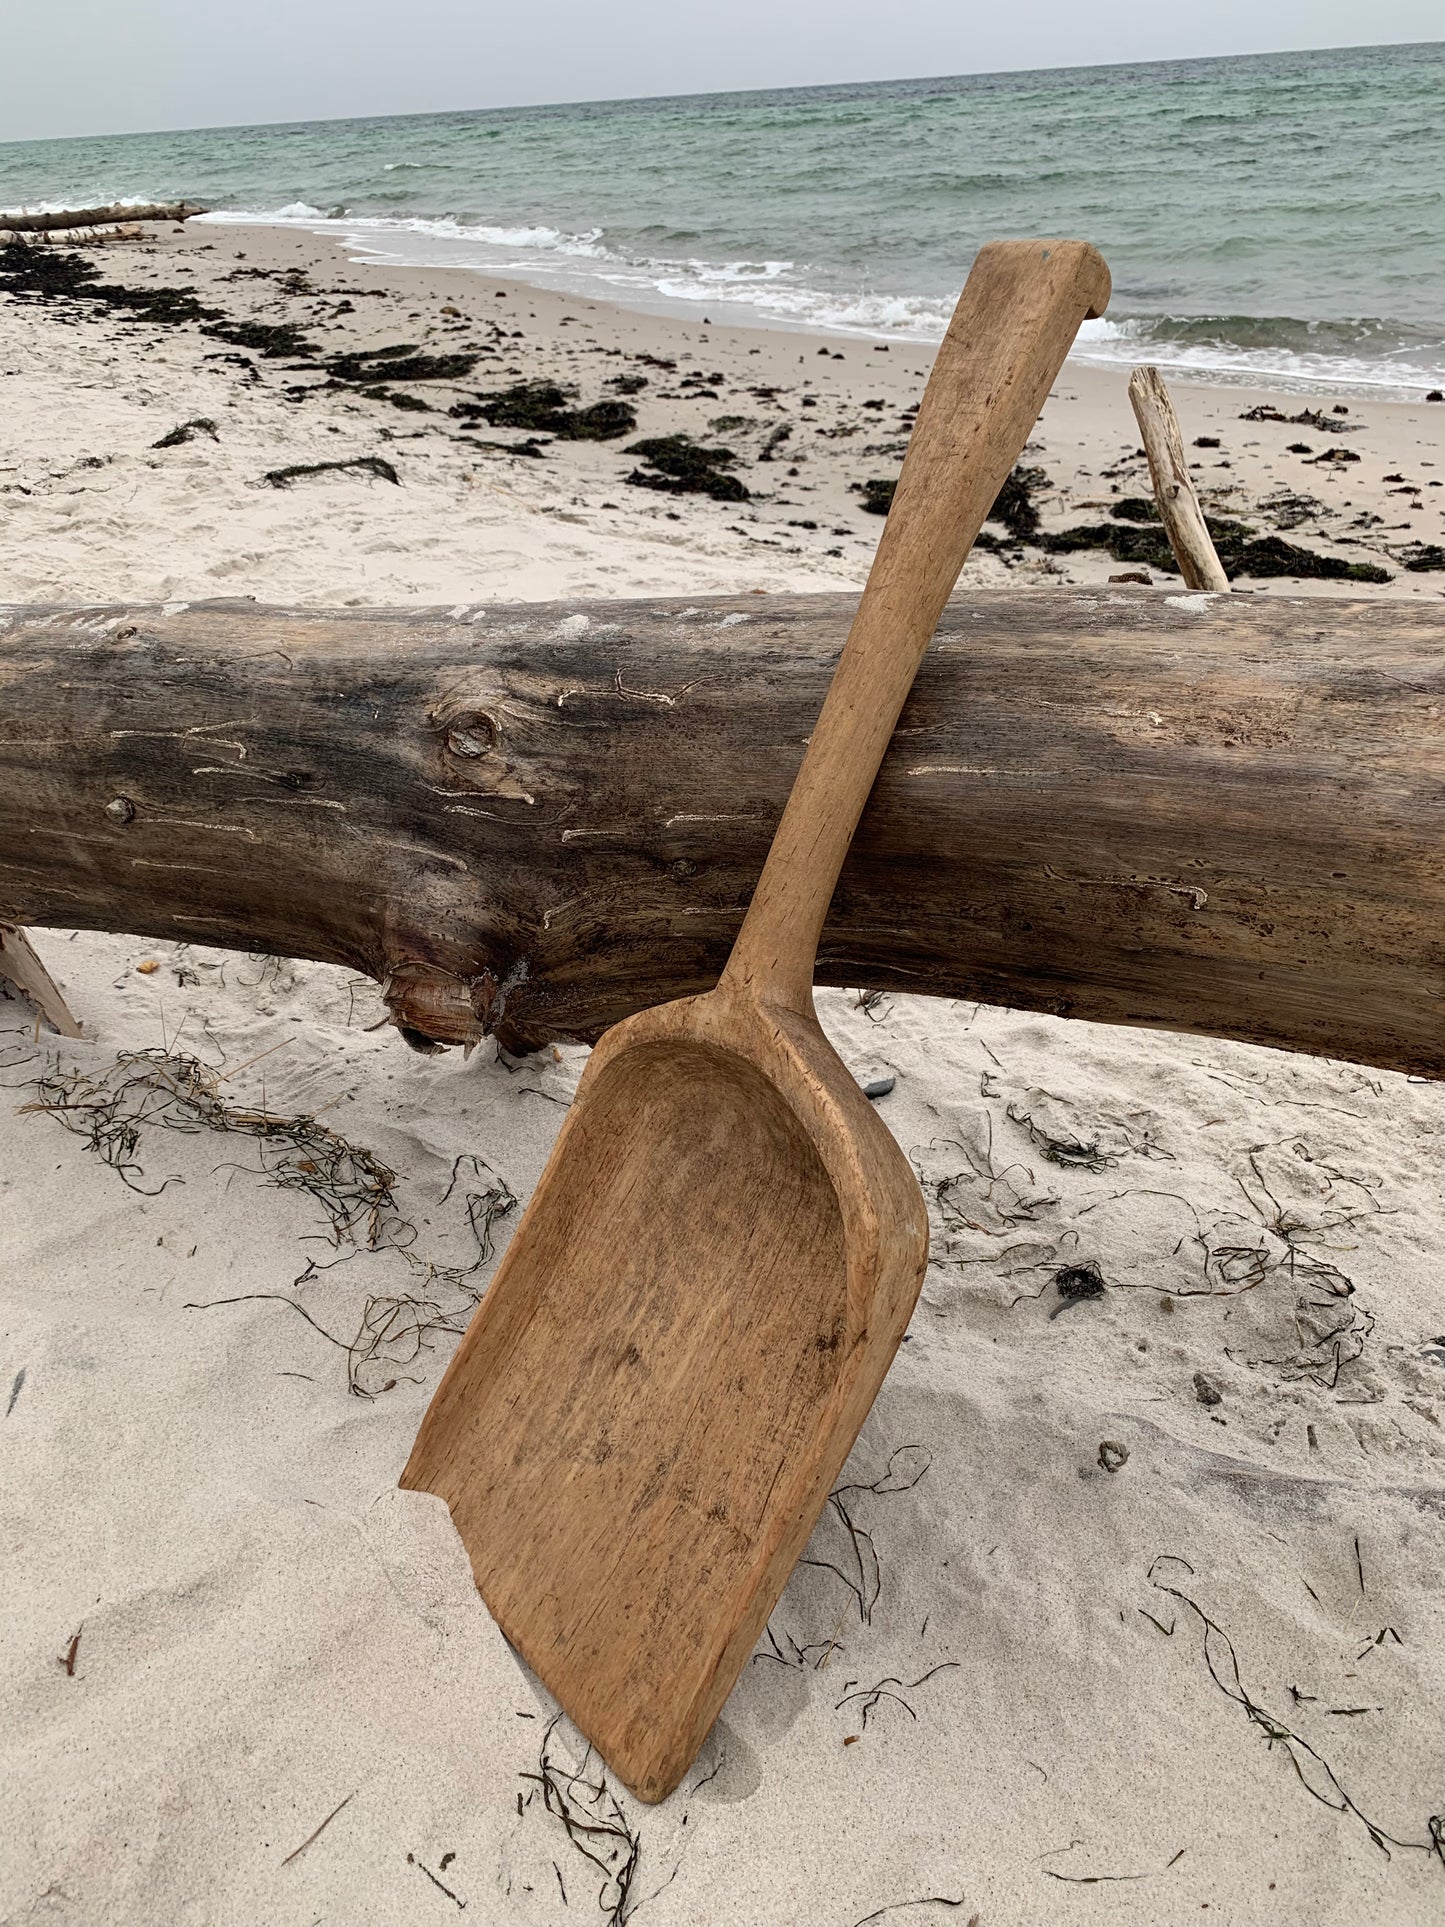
[(1014, 324)]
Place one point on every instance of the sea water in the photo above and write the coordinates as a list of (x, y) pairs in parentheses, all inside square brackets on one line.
[(1274, 218)]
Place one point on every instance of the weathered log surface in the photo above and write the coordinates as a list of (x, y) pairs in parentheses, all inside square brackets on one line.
[(78, 217), (1221, 814)]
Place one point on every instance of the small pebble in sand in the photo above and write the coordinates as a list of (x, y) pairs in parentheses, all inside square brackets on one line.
[(1112, 1454), (879, 1086), (1206, 1391), (147, 966)]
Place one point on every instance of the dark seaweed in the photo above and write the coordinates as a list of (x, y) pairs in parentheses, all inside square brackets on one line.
[(1314, 1772), (1271, 555), (542, 407), (593, 1822), (356, 1191), (367, 464), (681, 466), (412, 402), (1076, 1283), (1014, 504), (398, 364), (270, 339), (187, 432), (45, 274), (1239, 549), (1307, 418)]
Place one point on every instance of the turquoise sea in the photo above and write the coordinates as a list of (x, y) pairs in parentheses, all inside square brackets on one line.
[(1278, 217)]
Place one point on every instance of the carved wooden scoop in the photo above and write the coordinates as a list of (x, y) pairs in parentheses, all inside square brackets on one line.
[(640, 1428)]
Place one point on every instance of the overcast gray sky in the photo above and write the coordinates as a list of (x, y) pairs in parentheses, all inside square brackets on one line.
[(113, 66)]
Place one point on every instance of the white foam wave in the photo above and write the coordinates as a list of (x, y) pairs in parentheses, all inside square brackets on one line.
[(783, 293), (68, 206), (1125, 343), (363, 231)]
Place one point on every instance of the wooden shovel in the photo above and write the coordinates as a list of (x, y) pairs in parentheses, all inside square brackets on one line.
[(640, 1428)]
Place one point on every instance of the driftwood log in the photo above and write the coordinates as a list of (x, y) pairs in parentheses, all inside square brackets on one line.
[(77, 217), (1179, 508), (1203, 813), (21, 968)]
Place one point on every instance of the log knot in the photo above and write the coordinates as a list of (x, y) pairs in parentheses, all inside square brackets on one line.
[(433, 1006)]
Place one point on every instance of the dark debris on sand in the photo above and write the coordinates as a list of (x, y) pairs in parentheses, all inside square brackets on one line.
[(1134, 534), (44, 274), (543, 407), (376, 465), (678, 465)]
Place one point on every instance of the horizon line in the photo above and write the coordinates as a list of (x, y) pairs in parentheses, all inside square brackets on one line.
[(725, 93)]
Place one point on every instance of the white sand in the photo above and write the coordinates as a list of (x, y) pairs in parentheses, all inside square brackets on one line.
[(268, 1629)]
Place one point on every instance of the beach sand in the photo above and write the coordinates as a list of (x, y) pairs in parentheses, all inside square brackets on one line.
[(93, 509), (1128, 1607)]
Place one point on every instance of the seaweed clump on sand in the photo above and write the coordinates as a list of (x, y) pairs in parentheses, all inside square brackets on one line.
[(1271, 555), (270, 339), (877, 496), (680, 466), (1014, 505), (170, 1090), (366, 367), (1145, 547), (1307, 418), (44, 274), (375, 465), (398, 400), (543, 407), (1421, 556), (1135, 535), (188, 431)]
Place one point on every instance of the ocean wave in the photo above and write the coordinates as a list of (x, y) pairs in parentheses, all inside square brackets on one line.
[(360, 229), (1365, 356), (73, 201), (1369, 357)]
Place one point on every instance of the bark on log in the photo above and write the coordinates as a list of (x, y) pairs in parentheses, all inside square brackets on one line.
[(95, 217), (1218, 814), (1179, 508)]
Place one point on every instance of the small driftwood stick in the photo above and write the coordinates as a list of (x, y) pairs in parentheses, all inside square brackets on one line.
[(20, 966), (1179, 508), (1220, 814), (95, 217)]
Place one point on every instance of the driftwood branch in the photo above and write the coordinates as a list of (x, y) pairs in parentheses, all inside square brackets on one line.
[(1202, 814), (95, 217), (21, 968), (1179, 508)]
